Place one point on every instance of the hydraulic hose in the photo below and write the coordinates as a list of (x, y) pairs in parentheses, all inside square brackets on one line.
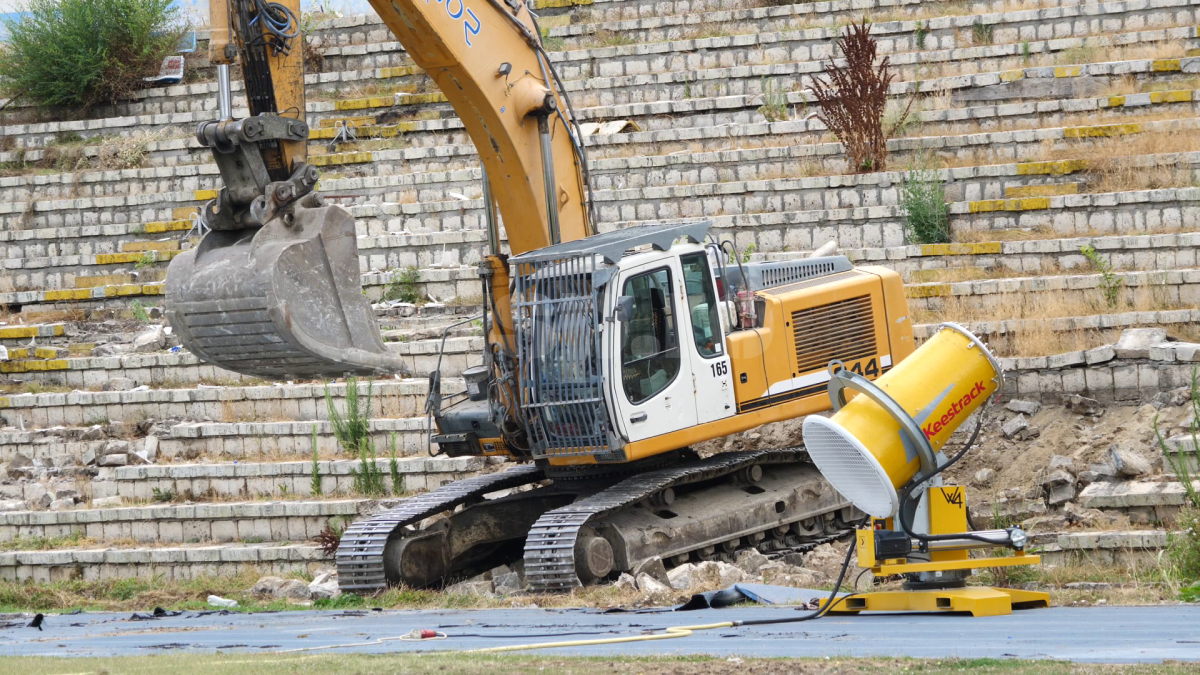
[(907, 490)]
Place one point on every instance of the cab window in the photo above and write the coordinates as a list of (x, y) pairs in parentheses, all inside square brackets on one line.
[(649, 343), (702, 305)]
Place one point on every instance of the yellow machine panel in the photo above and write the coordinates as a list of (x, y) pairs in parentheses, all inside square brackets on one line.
[(850, 318)]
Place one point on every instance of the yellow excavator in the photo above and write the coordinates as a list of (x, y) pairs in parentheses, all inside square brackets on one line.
[(609, 354)]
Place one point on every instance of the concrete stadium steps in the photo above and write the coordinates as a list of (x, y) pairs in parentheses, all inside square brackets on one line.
[(200, 98), (247, 440), (659, 22), (429, 193), (661, 85), (171, 563), (283, 402), (1144, 501), (211, 441), (183, 368), (1171, 210), (15, 336), (167, 563), (1173, 320), (930, 262), (429, 171), (220, 523), (726, 45), (1173, 288), (1063, 86), (1137, 548), (258, 480)]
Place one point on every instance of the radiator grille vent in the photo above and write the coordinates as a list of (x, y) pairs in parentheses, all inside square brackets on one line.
[(790, 274), (843, 330)]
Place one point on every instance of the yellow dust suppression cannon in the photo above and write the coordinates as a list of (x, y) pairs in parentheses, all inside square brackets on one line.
[(882, 450)]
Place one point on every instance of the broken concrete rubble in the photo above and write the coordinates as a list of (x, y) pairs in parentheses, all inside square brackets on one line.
[(1060, 494), (1135, 343), (1025, 407), (983, 477), (1128, 461), (118, 384), (651, 586), (1013, 426), (1056, 478), (1083, 405), (1060, 462), (654, 567)]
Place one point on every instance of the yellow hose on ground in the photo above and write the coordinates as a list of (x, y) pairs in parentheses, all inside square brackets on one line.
[(671, 633)]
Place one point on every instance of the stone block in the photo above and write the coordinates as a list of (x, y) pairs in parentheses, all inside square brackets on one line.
[(1135, 343)]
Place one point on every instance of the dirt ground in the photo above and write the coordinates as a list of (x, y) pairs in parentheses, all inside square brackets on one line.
[(1018, 463)]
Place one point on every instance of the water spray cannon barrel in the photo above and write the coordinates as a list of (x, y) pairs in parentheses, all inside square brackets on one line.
[(893, 428)]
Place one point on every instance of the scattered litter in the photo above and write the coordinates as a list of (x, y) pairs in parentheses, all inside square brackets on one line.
[(218, 601)]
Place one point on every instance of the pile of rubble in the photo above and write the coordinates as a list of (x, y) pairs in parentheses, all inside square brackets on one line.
[(59, 480), (652, 581), (323, 586)]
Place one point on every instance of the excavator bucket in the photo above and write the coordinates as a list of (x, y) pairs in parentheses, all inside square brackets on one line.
[(283, 301)]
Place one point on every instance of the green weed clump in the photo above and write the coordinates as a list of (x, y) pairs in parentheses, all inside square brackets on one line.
[(923, 198), (80, 53), (1183, 546), (402, 286), (1110, 283), (351, 428), (315, 480)]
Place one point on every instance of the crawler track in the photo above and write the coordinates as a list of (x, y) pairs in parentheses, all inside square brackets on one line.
[(360, 560), (550, 546), (549, 553)]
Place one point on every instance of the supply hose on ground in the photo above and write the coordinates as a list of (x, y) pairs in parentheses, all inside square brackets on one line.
[(673, 632)]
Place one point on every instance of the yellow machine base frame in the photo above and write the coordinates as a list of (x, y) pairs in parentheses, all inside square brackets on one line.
[(978, 600)]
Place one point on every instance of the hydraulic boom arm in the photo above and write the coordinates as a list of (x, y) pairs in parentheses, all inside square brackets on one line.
[(486, 56), (274, 289)]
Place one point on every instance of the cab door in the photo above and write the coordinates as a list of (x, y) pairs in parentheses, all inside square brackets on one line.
[(705, 341), (653, 384)]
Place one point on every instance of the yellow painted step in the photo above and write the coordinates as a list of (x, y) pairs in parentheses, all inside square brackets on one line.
[(340, 159), (400, 98), (135, 258), (1053, 168), (365, 131), (135, 246), (1049, 190), (360, 121), (981, 248), (1173, 96), (926, 276), (38, 353), (1104, 130), (17, 332), (205, 195), (32, 366), (104, 291), (103, 280), (1028, 204), (168, 226), (81, 348), (932, 291)]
